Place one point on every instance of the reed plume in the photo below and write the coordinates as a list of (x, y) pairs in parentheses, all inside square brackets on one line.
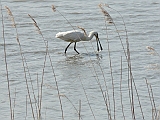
[(150, 48), (53, 8), (153, 51), (35, 24), (83, 30), (11, 16), (106, 14)]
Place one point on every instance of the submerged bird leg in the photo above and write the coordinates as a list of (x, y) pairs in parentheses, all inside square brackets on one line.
[(75, 48), (67, 47)]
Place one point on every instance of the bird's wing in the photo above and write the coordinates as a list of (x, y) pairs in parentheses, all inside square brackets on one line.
[(71, 36)]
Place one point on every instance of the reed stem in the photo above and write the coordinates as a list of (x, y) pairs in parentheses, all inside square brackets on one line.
[(6, 64)]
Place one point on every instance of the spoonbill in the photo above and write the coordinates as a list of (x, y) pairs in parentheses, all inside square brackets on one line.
[(75, 36)]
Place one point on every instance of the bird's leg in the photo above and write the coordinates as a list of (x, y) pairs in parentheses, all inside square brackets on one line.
[(75, 48), (67, 47)]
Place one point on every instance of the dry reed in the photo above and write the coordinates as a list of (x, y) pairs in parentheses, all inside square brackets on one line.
[(131, 82), (87, 98), (53, 8), (6, 64), (11, 16), (47, 53), (153, 51), (80, 116), (121, 89), (110, 20), (23, 60), (83, 30), (150, 92), (106, 14)]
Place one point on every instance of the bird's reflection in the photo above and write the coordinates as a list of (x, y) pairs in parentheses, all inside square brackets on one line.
[(83, 58), (99, 56), (78, 65), (74, 59)]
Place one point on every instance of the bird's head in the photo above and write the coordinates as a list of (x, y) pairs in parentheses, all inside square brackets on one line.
[(94, 33), (97, 39)]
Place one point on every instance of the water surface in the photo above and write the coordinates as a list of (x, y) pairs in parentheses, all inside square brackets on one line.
[(77, 75)]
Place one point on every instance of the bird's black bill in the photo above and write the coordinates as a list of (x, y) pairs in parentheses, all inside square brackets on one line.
[(99, 44)]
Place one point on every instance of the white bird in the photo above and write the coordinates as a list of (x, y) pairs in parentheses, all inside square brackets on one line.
[(75, 36)]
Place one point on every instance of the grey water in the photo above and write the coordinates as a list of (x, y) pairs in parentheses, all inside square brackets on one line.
[(78, 76)]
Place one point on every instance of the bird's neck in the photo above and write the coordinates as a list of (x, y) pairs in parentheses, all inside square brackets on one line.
[(90, 36)]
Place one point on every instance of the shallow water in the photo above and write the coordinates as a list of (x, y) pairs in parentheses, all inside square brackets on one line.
[(78, 74)]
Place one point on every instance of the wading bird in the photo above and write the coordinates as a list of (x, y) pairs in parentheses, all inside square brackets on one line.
[(77, 36)]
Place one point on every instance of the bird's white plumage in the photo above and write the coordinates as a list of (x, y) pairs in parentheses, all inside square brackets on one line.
[(73, 36)]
